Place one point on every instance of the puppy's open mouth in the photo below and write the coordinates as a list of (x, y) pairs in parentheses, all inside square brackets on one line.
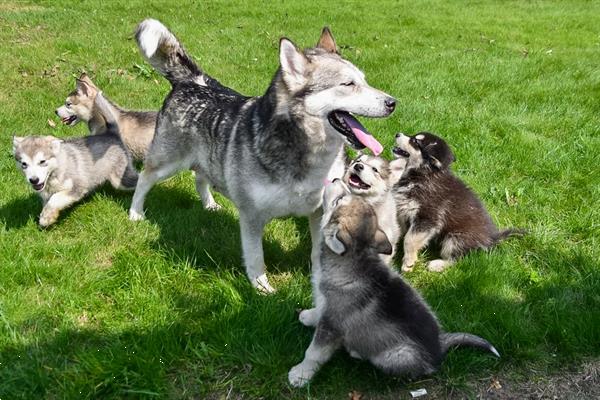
[(38, 187), (353, 131), (400, 153), (69, 120), (355, 181)]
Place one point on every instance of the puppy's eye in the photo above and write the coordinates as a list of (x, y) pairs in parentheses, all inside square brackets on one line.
[(42, 163), (68, 103), (375, 170), (349, 83), (24, 165)]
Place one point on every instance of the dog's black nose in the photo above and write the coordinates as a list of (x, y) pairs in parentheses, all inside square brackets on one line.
[(56, 112), (397, 135), (390, 103), (358, 167), (34, 180)]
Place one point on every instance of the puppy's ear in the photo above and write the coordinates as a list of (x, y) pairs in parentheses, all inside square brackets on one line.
[(381, 243), (338, 241), (397, 168), (55, 145), (17, 142), (293, 64), (435, 162), (327, 42), (86, 79)]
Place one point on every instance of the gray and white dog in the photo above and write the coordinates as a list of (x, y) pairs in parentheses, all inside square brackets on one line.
[(434, 204), (135, 127), (367, 307), (268, 154), (63, 171), (372, 178)]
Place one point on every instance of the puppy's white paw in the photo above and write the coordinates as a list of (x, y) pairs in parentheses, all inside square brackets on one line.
[(407, 268), (135, 215), (262, 285), (438, 265), (300, 376), (48, 217), (214, 206), (309, 317)]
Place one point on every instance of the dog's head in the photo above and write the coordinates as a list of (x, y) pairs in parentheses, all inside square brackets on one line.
[(423, 150), (36, 157), (368, 176), (331, 89), (349, 224), (79, 104)]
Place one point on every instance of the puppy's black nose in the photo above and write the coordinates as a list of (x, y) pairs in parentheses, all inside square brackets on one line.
[(34, 180), (390, 103), (397, 135), (56, 112), (358, 167)]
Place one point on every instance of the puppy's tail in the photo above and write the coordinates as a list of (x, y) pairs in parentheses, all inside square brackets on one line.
[(162, 49), (449, 340), (506, 233)]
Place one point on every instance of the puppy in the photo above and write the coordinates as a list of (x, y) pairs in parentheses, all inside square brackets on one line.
[(433, 203), (367, 307), (136, 127), (62, 172), (372, 179)]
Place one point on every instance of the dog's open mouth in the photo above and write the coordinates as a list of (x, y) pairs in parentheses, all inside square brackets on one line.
[(355, 133), (355, 181), (71, 120), (400, 153), (38, 187)]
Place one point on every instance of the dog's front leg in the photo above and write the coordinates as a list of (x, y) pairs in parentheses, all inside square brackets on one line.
[(325, 341), (252, 226), (311, 316), (414, 240), (55, 204)]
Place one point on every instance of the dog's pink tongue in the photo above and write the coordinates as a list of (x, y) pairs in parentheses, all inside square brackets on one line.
[(362, 135)]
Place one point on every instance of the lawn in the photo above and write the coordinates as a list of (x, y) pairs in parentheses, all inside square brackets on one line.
[(101, 307)]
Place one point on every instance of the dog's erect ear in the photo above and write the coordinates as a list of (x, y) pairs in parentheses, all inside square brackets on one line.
[(86, 79), (17, 142), (435, 162), (327, 42), (381, 243), (337, 241), (55, 145), (85, 87), (293, 63)]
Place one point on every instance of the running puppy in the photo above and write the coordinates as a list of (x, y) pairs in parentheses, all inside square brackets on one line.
[(268, 154), (372, 178), (367, 307), (62, 172), (136, 127), (433, 203)]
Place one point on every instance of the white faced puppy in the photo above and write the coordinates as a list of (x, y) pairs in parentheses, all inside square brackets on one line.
[(62, 172), (371, 178), (367, 307), (433, 203)]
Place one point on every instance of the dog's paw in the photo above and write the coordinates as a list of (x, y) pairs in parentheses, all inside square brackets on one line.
[(438, 265), (214, 206), (354, 354), (48, 217), (262, 285), (407, 268), (309, 317), (136, 216), (300, 376)]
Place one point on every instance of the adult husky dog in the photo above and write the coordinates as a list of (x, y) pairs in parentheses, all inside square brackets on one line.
[(268, 154)]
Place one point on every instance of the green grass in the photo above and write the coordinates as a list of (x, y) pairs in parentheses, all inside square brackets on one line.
[(101, 307)]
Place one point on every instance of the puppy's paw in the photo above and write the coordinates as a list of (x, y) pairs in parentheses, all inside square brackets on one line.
[(407, 268), (48, 217), (262, 285), (300, 375), (135, 215), (354, 354), (438, 265), (214, 206), (309, 317)]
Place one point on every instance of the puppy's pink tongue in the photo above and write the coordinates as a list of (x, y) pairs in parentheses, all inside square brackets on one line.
[(362, 135)]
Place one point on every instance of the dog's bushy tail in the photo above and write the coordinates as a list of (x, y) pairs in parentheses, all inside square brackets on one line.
[(459, 339), (162, 49), (506, 233)]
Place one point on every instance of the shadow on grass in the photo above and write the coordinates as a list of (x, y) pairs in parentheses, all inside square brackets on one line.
[(211, 239), (222, 336), (18, 212)]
